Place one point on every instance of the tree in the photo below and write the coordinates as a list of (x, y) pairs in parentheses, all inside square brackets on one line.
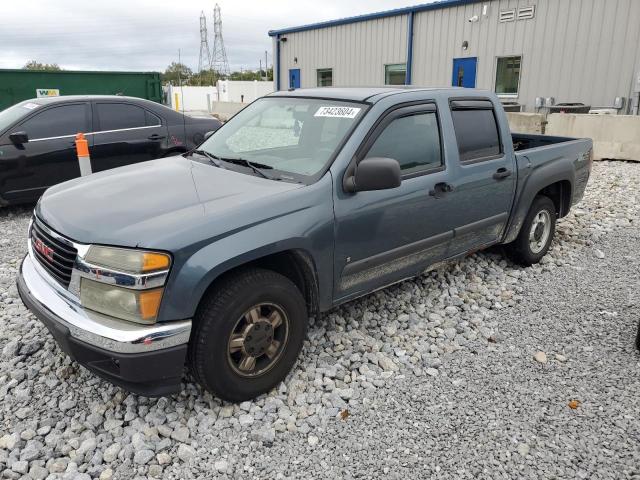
[(48, 67), (251, 75), (204, 78), (176, 73)]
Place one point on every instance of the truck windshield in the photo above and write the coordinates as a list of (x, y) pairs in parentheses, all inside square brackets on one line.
[(10, 115), (293, 137)]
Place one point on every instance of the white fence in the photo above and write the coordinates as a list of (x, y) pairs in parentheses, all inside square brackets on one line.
[(203, 99)]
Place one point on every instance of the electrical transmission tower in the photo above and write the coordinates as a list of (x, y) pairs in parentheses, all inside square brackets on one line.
[(219, 61), (204, 63)]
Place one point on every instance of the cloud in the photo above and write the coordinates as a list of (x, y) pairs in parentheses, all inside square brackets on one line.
[(146, 35)]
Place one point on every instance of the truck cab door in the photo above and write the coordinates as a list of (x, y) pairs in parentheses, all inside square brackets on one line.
[(387, 235), (486, 175), (125, 133)]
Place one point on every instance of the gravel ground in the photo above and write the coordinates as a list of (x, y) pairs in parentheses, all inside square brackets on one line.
[(467, 372)]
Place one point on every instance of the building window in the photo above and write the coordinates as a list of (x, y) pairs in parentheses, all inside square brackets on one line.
[(395, 74), (325, 77), (508, 76)]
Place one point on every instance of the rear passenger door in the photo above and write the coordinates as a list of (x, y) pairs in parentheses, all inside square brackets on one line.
[(125, 133), (485, 183)]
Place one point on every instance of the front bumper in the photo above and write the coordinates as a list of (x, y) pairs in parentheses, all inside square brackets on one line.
[(147, 360)]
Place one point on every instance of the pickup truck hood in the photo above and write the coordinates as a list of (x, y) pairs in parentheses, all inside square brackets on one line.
[(150, 203)]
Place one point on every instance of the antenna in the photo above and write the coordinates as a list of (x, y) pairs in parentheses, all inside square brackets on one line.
[(219, 61), (204, 63)]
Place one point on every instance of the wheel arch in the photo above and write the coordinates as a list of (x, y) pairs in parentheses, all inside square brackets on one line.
[(296, 264), (555, 180)]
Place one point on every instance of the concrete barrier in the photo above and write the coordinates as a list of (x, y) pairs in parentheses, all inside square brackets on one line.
[(526, 122), (225, 110), (615, 137)]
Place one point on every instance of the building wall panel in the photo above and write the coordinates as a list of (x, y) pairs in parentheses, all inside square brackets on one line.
[(356, 52), (573, 50)]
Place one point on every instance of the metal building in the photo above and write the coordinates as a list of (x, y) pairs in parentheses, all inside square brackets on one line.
[(532, 53)]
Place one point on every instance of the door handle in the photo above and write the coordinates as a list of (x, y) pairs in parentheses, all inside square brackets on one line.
[(440, 188), (501, 173), (155, 136)]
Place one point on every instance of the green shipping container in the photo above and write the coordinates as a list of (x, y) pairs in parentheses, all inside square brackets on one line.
[(19, 85)]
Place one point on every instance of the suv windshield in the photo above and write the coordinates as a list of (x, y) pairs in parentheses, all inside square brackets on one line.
[(291, 137)]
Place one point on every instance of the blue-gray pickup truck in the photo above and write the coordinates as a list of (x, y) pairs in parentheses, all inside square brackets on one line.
[(216, 259)]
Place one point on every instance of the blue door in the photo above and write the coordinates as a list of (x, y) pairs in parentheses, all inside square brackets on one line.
[(294, 78), (464, 72)]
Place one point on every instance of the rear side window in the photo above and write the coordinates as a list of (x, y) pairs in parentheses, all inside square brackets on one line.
[(57, 122), (414, 141), (476, 133), (117, 116), (152, 119)]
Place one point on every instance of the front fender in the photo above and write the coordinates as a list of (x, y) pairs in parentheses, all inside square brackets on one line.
[(309, 230)]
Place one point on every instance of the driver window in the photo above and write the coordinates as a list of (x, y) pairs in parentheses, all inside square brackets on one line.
[(414, 141)]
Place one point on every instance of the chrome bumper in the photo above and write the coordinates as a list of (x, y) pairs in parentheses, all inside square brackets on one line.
[(99, 330)]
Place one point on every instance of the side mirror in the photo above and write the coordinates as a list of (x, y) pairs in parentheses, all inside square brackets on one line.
[(18, 138), (374, 173), (207, 135)]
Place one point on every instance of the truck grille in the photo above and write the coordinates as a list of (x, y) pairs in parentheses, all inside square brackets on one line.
[(56, 256)]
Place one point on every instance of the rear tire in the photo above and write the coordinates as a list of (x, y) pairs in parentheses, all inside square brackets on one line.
[(248, 334), (536, 234)]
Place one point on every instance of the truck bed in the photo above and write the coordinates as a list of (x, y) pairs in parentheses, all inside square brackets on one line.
[(568, 159), (525, 141)]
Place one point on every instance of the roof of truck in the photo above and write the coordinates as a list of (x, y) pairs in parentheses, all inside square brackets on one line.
[(364, 94)]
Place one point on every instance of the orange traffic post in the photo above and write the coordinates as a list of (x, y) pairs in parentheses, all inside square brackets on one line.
[(82, 147)]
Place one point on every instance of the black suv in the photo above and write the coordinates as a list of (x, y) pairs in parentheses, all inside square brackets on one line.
[(37, 139)]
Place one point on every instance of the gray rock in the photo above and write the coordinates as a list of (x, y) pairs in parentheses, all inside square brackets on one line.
[(181, 434), (221, 466), (185, 452), (20, 466), (245, 420), (31, 451), (111, 452), (142, 457)]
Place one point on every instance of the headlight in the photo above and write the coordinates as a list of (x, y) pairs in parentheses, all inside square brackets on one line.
[(124, 283), (134, 261), (140, 306)]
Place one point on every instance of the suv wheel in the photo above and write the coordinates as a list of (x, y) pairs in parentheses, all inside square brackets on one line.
[(536, 233), (248, 334)]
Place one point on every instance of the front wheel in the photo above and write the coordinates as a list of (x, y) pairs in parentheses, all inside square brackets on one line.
[(536, 233), (248, 334)]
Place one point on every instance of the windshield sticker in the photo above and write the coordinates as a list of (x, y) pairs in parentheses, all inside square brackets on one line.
[(30, 106), (337, 112)]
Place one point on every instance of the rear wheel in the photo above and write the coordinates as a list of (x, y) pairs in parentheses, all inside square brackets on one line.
[(248, 334), (536, 233)]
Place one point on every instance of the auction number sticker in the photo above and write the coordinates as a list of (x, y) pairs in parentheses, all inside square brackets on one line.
[(337, 112), (30, 106)]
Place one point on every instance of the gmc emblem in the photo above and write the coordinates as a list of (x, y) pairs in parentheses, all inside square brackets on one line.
[(45, 250)]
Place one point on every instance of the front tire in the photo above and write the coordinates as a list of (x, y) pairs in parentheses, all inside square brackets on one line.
[(536, 234), (248, 334)]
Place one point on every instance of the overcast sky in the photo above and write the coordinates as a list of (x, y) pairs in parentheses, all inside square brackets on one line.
[(146, 34)]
